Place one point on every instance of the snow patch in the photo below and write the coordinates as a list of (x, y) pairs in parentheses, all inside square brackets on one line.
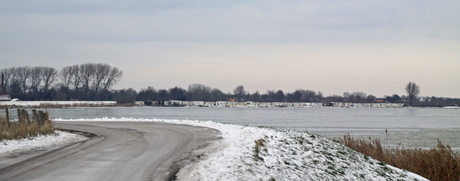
[(39, 142)]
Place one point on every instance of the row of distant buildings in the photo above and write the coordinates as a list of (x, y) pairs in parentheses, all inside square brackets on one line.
[(177, 103)]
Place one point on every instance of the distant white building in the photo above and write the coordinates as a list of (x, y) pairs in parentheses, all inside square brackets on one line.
[(139, 103), (5, 97), (279, 104), (368, 105)]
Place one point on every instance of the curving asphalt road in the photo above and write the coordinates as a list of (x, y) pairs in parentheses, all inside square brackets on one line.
[(120, 151)]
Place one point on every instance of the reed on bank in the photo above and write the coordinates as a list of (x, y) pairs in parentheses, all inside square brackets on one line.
[(438, 163), (39, 124), (19, 131)]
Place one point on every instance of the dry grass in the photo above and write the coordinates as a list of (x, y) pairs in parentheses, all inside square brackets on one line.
[(18, 131), (439, 163), (257, 149), (26, 126)]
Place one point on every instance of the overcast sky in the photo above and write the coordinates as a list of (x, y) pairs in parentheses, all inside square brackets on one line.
[(333, 46)]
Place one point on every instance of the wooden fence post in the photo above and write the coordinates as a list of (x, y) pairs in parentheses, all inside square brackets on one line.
[(20, 118), (40, 118), (26, 115), (23, 116), (5, 121), (7, 117), (34, 116)]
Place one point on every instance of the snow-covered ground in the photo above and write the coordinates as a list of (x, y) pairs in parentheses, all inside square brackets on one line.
[(251, 153), (39, 142)]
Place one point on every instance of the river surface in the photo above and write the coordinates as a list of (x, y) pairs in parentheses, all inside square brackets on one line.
[(397, 127)]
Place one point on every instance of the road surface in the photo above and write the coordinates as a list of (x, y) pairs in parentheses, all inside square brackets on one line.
[(120, 151)]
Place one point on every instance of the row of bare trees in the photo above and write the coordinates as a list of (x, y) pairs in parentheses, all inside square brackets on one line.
[(200, 92), (85, 81), (22, 80), (90, 77)]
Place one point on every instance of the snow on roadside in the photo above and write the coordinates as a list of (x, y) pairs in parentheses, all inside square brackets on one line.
[(250, 153), (39, 142)]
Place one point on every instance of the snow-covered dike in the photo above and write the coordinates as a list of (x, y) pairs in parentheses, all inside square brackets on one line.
[(250, 153), (39, 142)]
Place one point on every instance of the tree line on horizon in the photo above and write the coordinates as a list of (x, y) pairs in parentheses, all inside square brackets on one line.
[(94, 82), (200, 92)]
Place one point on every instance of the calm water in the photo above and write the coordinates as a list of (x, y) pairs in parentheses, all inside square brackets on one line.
[(409, 127)]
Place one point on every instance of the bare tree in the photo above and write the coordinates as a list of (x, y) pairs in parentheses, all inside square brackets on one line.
[(102, 71), (76, 77), (319, 96), (148, 94), (309, 95), (114, 75), (371, 98), (178, 93), (198, 92), (35, 79), (412, 90), (217, 95), (280, 97), (270, 96), (87, 72), (23, 74), (66, 76), (13, 82), (256, 96), (49, 76), (71, 78), (358, 97), (346, 97), (301, 95), (239, 93), (7, 73)]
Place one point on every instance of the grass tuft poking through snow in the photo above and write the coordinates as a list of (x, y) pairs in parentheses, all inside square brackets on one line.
[(250, 153)]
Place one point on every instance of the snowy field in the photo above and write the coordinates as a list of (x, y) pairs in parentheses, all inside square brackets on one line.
[(39, 142), (251, 153)]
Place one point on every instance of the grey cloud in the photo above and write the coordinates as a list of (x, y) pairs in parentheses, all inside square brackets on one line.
[(226, 22)]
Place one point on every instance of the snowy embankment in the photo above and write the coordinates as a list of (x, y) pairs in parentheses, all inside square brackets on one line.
[(39, 142), (250, 153)]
